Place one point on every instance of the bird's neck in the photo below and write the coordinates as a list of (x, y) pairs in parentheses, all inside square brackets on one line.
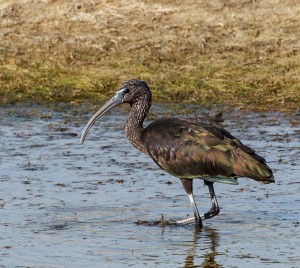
[(134, 124)]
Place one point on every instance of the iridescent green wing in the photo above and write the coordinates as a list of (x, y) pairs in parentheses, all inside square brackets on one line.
[(200, 148)]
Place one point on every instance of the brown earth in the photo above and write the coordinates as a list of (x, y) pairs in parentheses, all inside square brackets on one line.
[(236, 53)]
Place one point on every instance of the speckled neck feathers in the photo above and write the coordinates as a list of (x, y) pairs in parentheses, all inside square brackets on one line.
[(134, 124)]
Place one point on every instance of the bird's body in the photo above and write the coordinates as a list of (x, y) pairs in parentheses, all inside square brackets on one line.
[(198, 148)]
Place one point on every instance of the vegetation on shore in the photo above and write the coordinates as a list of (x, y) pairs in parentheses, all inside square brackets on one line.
[(242, 54)]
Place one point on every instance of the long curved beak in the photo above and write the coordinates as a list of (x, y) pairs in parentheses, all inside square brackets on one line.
[(116, 100)]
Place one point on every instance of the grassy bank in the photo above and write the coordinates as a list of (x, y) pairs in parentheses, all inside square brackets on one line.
[(235, 53)]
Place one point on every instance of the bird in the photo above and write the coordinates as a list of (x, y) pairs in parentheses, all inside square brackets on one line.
[(187, 148)]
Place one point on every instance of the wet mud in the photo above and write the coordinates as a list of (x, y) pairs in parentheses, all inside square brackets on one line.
[(63, 204)]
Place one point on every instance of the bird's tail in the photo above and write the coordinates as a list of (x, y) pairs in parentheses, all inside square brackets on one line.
[(249, 164)]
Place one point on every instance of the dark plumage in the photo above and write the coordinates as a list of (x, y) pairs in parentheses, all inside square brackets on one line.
[(188, 148), (198, 148)]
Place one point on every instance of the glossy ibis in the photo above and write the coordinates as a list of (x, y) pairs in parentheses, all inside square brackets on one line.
[(188, 149)]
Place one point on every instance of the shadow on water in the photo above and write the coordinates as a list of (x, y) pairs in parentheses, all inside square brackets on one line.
[(63, 203)]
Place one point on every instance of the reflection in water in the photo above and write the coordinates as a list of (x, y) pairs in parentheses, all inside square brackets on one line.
[(211, 236), (61, 202)]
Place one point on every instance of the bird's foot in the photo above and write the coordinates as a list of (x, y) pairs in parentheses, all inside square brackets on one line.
[(214, 211), (170, 222), (183, 222), (186, 221)]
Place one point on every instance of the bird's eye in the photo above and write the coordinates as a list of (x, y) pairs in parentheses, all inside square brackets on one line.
[(126, 90)]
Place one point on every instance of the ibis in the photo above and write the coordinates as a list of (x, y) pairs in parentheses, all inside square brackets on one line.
[(187, 148)]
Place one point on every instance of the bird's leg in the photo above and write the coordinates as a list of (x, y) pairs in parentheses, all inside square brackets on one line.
[(188, 187), (214, 204)]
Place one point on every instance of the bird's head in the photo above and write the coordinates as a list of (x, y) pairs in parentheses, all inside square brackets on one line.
[(131, 91), (135, 90)]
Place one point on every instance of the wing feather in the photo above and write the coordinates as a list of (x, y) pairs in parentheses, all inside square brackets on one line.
[(197, 148)]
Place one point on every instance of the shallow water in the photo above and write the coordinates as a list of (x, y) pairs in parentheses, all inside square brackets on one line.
[(63, 204)]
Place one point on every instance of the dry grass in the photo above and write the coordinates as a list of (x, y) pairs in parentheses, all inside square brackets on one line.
[(238, 53)]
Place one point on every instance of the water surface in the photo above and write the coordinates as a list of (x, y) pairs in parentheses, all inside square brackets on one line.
[(63, 204)]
